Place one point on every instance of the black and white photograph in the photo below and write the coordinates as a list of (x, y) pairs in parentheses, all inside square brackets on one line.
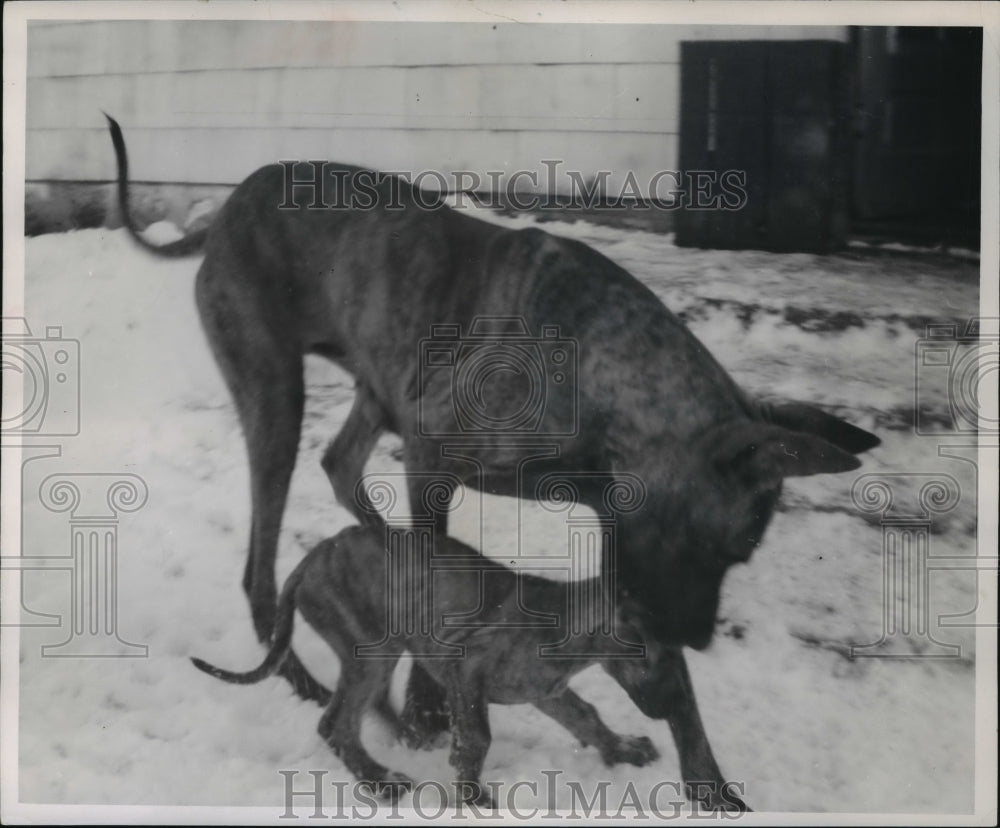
[(508, 412)]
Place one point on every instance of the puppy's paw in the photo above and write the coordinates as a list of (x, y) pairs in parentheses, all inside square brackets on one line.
[(631, 750)]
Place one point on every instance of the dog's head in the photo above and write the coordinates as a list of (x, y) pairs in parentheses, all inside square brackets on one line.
[(708, 509)]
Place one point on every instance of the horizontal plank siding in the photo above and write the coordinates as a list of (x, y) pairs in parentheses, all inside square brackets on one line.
[(607, 97), (224, 156), (208, 101), (125, 47)]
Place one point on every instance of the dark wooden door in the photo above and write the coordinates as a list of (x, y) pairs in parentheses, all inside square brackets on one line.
[(776, 112)]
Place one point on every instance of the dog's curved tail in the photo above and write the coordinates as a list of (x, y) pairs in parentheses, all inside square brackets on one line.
[(186, 246), (280, 642)]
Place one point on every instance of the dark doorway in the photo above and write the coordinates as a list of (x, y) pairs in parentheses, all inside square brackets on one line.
[(916, 157), (878, 137)]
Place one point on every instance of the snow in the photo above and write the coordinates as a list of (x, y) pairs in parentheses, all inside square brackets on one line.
[(801, 725)]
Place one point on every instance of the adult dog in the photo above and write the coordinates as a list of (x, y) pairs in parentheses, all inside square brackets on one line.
[(340, 589), (363, 283)]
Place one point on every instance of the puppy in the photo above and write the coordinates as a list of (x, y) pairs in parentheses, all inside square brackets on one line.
[(484, 632)]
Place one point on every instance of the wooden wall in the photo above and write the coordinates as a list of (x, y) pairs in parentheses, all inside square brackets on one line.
[(208, 102)]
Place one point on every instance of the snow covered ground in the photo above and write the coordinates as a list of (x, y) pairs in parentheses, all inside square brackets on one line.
[(789, 714)]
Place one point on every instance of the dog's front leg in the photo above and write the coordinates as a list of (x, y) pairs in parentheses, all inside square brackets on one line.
[(424, 719), (661, 688), (345, 456)]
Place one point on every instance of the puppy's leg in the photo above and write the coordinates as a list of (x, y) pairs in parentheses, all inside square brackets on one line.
[(360, 682), (582, 720), (338, 619), (345, 456), (470, 739)]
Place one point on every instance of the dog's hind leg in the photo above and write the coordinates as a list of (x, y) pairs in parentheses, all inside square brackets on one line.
[(263, 369), (345, 456), (424, 718), (383, 707), (582, 720)]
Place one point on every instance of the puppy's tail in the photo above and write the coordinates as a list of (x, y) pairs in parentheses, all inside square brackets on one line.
[(186, 246), (280, 642)]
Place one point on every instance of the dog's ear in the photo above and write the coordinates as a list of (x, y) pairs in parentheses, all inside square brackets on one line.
[(769, 453), (811, 420)]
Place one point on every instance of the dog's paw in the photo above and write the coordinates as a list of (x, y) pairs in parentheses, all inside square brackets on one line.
[(423, 739), (631, 750), (716, 797), (421, 730), (484, 802), (476, 795), (391, 787)]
